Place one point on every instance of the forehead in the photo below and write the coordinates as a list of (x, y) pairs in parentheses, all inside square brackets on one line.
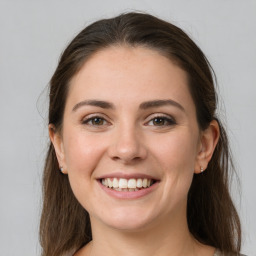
[(120, 73)]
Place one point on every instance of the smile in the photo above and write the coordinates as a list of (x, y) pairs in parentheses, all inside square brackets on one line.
[(132, 184)]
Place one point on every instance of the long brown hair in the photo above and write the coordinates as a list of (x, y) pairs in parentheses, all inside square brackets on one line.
[(211, 215)]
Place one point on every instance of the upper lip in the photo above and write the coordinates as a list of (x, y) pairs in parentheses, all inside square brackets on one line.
[(123, 175)]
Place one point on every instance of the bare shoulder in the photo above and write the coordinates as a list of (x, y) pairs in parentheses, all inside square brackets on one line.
[(219, 253)]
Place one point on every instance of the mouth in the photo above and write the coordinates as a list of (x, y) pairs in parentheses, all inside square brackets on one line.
[(127, 185)]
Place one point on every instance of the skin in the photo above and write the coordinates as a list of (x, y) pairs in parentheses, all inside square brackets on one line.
[(127, 139)]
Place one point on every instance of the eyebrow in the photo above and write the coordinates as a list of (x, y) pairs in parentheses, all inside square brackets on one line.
[(96, 103), (144, 105), (160, 103)]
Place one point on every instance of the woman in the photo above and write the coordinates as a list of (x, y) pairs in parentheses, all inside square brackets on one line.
[(144, 160)]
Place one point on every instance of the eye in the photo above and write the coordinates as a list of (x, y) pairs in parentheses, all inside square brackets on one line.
[(161, 121), (94, 121)]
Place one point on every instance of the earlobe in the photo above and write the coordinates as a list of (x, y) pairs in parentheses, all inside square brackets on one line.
[(208, 142), (57, 142)]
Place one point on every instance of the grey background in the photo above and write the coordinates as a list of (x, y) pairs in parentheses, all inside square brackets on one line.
[(32, 36)]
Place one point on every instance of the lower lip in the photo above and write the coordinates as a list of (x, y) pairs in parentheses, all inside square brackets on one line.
[(129, 194)]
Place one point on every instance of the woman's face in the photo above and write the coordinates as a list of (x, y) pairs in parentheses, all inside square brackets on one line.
[(130, 139)]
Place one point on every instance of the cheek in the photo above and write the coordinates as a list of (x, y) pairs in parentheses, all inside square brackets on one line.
[(177, 151), (82, 153), (177, 155)]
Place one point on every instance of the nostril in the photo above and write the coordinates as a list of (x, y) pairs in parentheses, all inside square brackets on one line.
[(127, 159), (127, 148)]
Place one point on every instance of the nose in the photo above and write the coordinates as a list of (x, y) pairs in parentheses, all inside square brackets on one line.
[(127, 145)]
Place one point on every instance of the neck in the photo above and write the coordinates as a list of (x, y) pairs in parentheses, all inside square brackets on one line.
[(171, 235)]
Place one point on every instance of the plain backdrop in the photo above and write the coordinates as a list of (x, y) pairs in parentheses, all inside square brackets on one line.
[(32, 36)]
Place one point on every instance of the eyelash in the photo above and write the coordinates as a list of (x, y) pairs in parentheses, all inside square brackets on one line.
[(87, 121), (168, 121)]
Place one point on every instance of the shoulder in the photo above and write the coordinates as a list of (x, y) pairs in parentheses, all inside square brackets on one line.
[(219, 253)]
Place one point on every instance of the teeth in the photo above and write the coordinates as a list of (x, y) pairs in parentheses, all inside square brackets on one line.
[(126, 184), (139, 183), (123, 183), (144, 183), (132, 183), (110, 183), (115, 183)]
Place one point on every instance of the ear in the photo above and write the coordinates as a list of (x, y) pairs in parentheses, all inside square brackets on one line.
[(208, 141), (57, 142)]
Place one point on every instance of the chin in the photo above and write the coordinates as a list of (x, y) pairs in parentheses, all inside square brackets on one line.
[(128, 220), (128, 226)]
